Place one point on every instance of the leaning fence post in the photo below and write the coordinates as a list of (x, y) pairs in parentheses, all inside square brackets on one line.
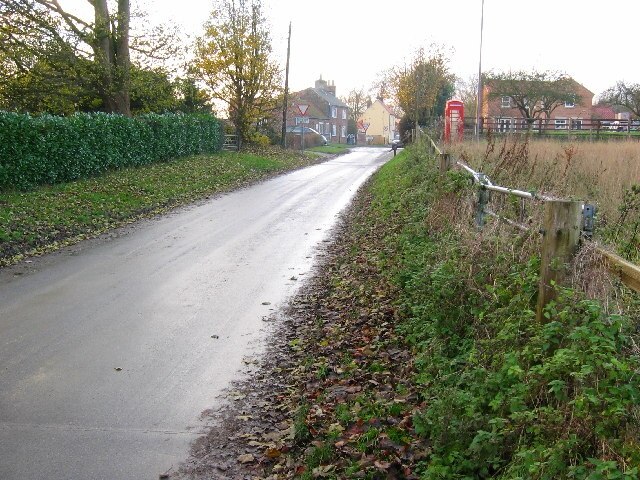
[(483, 199), (445, 162), (561, 234)]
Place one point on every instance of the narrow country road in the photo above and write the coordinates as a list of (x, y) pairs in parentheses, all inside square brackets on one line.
[(110, 351)]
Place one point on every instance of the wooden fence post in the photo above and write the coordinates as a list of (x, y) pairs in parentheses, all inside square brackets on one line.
[(445, 162), (561, 234)]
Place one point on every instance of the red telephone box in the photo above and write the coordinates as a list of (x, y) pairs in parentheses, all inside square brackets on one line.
[(453, 121)]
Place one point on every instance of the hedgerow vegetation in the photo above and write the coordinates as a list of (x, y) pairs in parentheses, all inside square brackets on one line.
[(433, 364), (46, 149)]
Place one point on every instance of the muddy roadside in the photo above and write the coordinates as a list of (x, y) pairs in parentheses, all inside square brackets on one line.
[(335, 380)]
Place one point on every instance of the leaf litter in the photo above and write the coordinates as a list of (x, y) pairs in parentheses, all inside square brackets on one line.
[(333, 396)]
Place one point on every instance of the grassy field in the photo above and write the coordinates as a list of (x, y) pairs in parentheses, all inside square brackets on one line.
[(48, 217), (604, 173)]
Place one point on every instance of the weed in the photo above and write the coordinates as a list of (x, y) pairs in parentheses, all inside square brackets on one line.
[(300, 429)]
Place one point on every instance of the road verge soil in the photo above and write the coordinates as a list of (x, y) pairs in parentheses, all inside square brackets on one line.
[(332, 396)]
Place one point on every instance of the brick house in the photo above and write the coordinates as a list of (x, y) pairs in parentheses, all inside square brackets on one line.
[(500, 114), (327, 113), (382, 123)]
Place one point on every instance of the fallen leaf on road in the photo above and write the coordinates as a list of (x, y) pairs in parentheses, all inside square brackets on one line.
[(272, 453), (246, 458)]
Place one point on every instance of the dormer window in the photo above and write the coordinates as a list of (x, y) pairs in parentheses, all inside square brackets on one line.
[(505, 102)]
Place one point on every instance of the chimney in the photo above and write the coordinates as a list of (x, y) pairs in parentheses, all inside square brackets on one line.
[(321, 84), (331, 88)]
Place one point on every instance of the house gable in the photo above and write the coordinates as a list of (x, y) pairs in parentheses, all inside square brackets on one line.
[(327, 113), (382, 122), (496, 109)]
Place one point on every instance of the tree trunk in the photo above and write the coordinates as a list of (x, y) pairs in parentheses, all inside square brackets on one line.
[(123, 59), (111, 49)]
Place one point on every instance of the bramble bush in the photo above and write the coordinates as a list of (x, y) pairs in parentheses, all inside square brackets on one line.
[(39, 150), (504, 396)]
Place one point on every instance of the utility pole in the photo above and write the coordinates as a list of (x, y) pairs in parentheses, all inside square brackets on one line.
[(479, 96), (286, 94), (417, 70)]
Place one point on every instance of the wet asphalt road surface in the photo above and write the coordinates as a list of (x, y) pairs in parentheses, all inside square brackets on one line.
[(106, 350)]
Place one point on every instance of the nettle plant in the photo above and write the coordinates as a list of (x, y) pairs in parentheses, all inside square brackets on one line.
[(506, 396)]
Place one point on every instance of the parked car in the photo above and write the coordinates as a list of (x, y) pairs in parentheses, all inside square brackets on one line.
[(616, 126), (311, 137)]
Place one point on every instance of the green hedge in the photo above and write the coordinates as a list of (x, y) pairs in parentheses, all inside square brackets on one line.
[(38, 150)]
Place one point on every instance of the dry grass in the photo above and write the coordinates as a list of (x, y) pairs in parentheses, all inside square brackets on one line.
[(595, 172), (598, 173)]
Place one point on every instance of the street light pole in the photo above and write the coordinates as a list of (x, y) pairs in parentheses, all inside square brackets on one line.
[(479, 96)]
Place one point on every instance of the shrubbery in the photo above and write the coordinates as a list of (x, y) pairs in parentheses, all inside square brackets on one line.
[(505, 396), (49, 149)]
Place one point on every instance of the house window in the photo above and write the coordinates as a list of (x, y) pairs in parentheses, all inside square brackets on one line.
[(334, 112), (505, 102), (504, 125), (344, 113), (560, 123), (333, 130), (343, 131), (318, 127), (576, 124), (569, 103)]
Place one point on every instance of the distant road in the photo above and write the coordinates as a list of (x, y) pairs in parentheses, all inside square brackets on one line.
[(106, 350)]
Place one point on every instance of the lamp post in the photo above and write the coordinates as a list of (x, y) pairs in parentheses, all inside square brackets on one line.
[(479, 96)]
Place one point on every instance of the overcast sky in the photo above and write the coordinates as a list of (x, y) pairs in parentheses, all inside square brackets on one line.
[(350, 42)]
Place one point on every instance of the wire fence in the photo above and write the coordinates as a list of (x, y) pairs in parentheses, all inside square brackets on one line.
[(565, 224)]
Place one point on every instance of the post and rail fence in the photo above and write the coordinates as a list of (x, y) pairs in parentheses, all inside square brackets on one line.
[(565, 223), (557, 128)]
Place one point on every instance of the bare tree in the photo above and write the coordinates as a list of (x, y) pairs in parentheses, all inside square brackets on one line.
[(535, 94), (467, 92), (358, 101), (623, 95)]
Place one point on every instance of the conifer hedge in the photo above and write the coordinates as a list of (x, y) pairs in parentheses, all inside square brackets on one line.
[(39, 150)]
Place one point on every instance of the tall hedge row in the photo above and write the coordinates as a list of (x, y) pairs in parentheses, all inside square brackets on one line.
[(38, 150)]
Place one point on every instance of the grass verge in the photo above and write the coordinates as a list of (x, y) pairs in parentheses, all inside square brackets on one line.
[(45, 218), (420, 356), (337, 148)]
